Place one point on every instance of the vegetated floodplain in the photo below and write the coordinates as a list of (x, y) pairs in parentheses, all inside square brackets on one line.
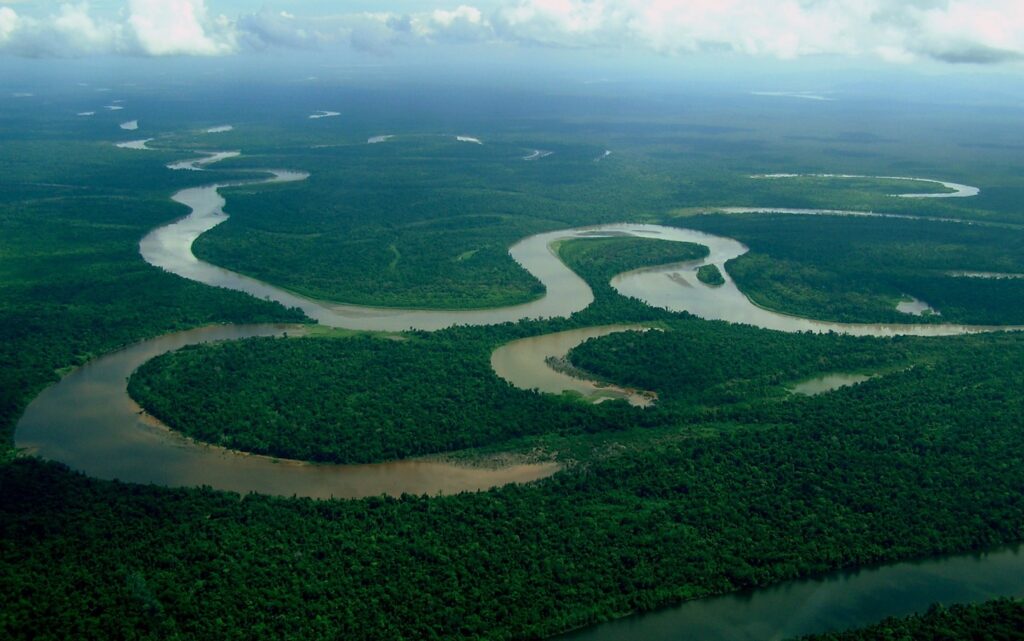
[(675, 514), (421, 222), (710, 275), (748, 365), (859, 269), (347, 400), (73, 283), (998, 619), (599, 259), (749, 487), (827, 383), (362, 398)]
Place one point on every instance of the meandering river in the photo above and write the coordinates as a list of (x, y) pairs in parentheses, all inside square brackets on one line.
[(88, 421), (120, 444), (673, 287), (526, 363), (139, 450)]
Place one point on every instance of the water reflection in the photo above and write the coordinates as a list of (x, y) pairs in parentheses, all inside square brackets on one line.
[(836, 601)]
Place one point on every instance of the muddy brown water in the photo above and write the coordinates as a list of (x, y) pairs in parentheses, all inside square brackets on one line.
[(88, 422)]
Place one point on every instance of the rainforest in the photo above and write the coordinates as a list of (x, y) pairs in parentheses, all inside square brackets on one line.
[(375, 353)]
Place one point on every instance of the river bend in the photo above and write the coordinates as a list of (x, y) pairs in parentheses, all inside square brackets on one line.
[(672, 287), (88, 421)]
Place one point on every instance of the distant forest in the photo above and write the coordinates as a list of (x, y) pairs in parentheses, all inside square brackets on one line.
[(729, 482)]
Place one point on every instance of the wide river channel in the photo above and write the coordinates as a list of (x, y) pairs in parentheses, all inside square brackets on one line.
[(88, 421)]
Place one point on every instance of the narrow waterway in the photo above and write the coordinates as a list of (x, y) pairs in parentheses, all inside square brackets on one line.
[(836, 601), (955, 190), (672, 287), (526, 363), (88, 422), (678, 289)]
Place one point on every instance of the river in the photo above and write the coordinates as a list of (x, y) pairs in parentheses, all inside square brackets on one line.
[(835, 601), (672, 287), (88, 421), (526, 364)]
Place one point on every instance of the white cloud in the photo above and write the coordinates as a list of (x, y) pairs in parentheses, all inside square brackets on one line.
[(464, 13), (972, 31), (262, 30), (80, 32), (151, 28), (465, 24), (977, 31), (952, 30), (71, 31), (567, 22), (180, 27), (8, 23)]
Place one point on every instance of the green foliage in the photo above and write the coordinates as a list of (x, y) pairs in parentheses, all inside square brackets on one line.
[(891, 469), (349, 400), (598, 260), (602, 258), (364, 399), (857, 269), (710, 275), (701, 364), (996, 620), (73, 286), (417, 222), (878, 472)]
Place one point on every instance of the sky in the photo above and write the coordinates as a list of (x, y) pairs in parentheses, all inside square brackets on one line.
[(907, 33)]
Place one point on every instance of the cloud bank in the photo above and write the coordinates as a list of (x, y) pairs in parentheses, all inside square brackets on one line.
[(145, 28), (951, 31)]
